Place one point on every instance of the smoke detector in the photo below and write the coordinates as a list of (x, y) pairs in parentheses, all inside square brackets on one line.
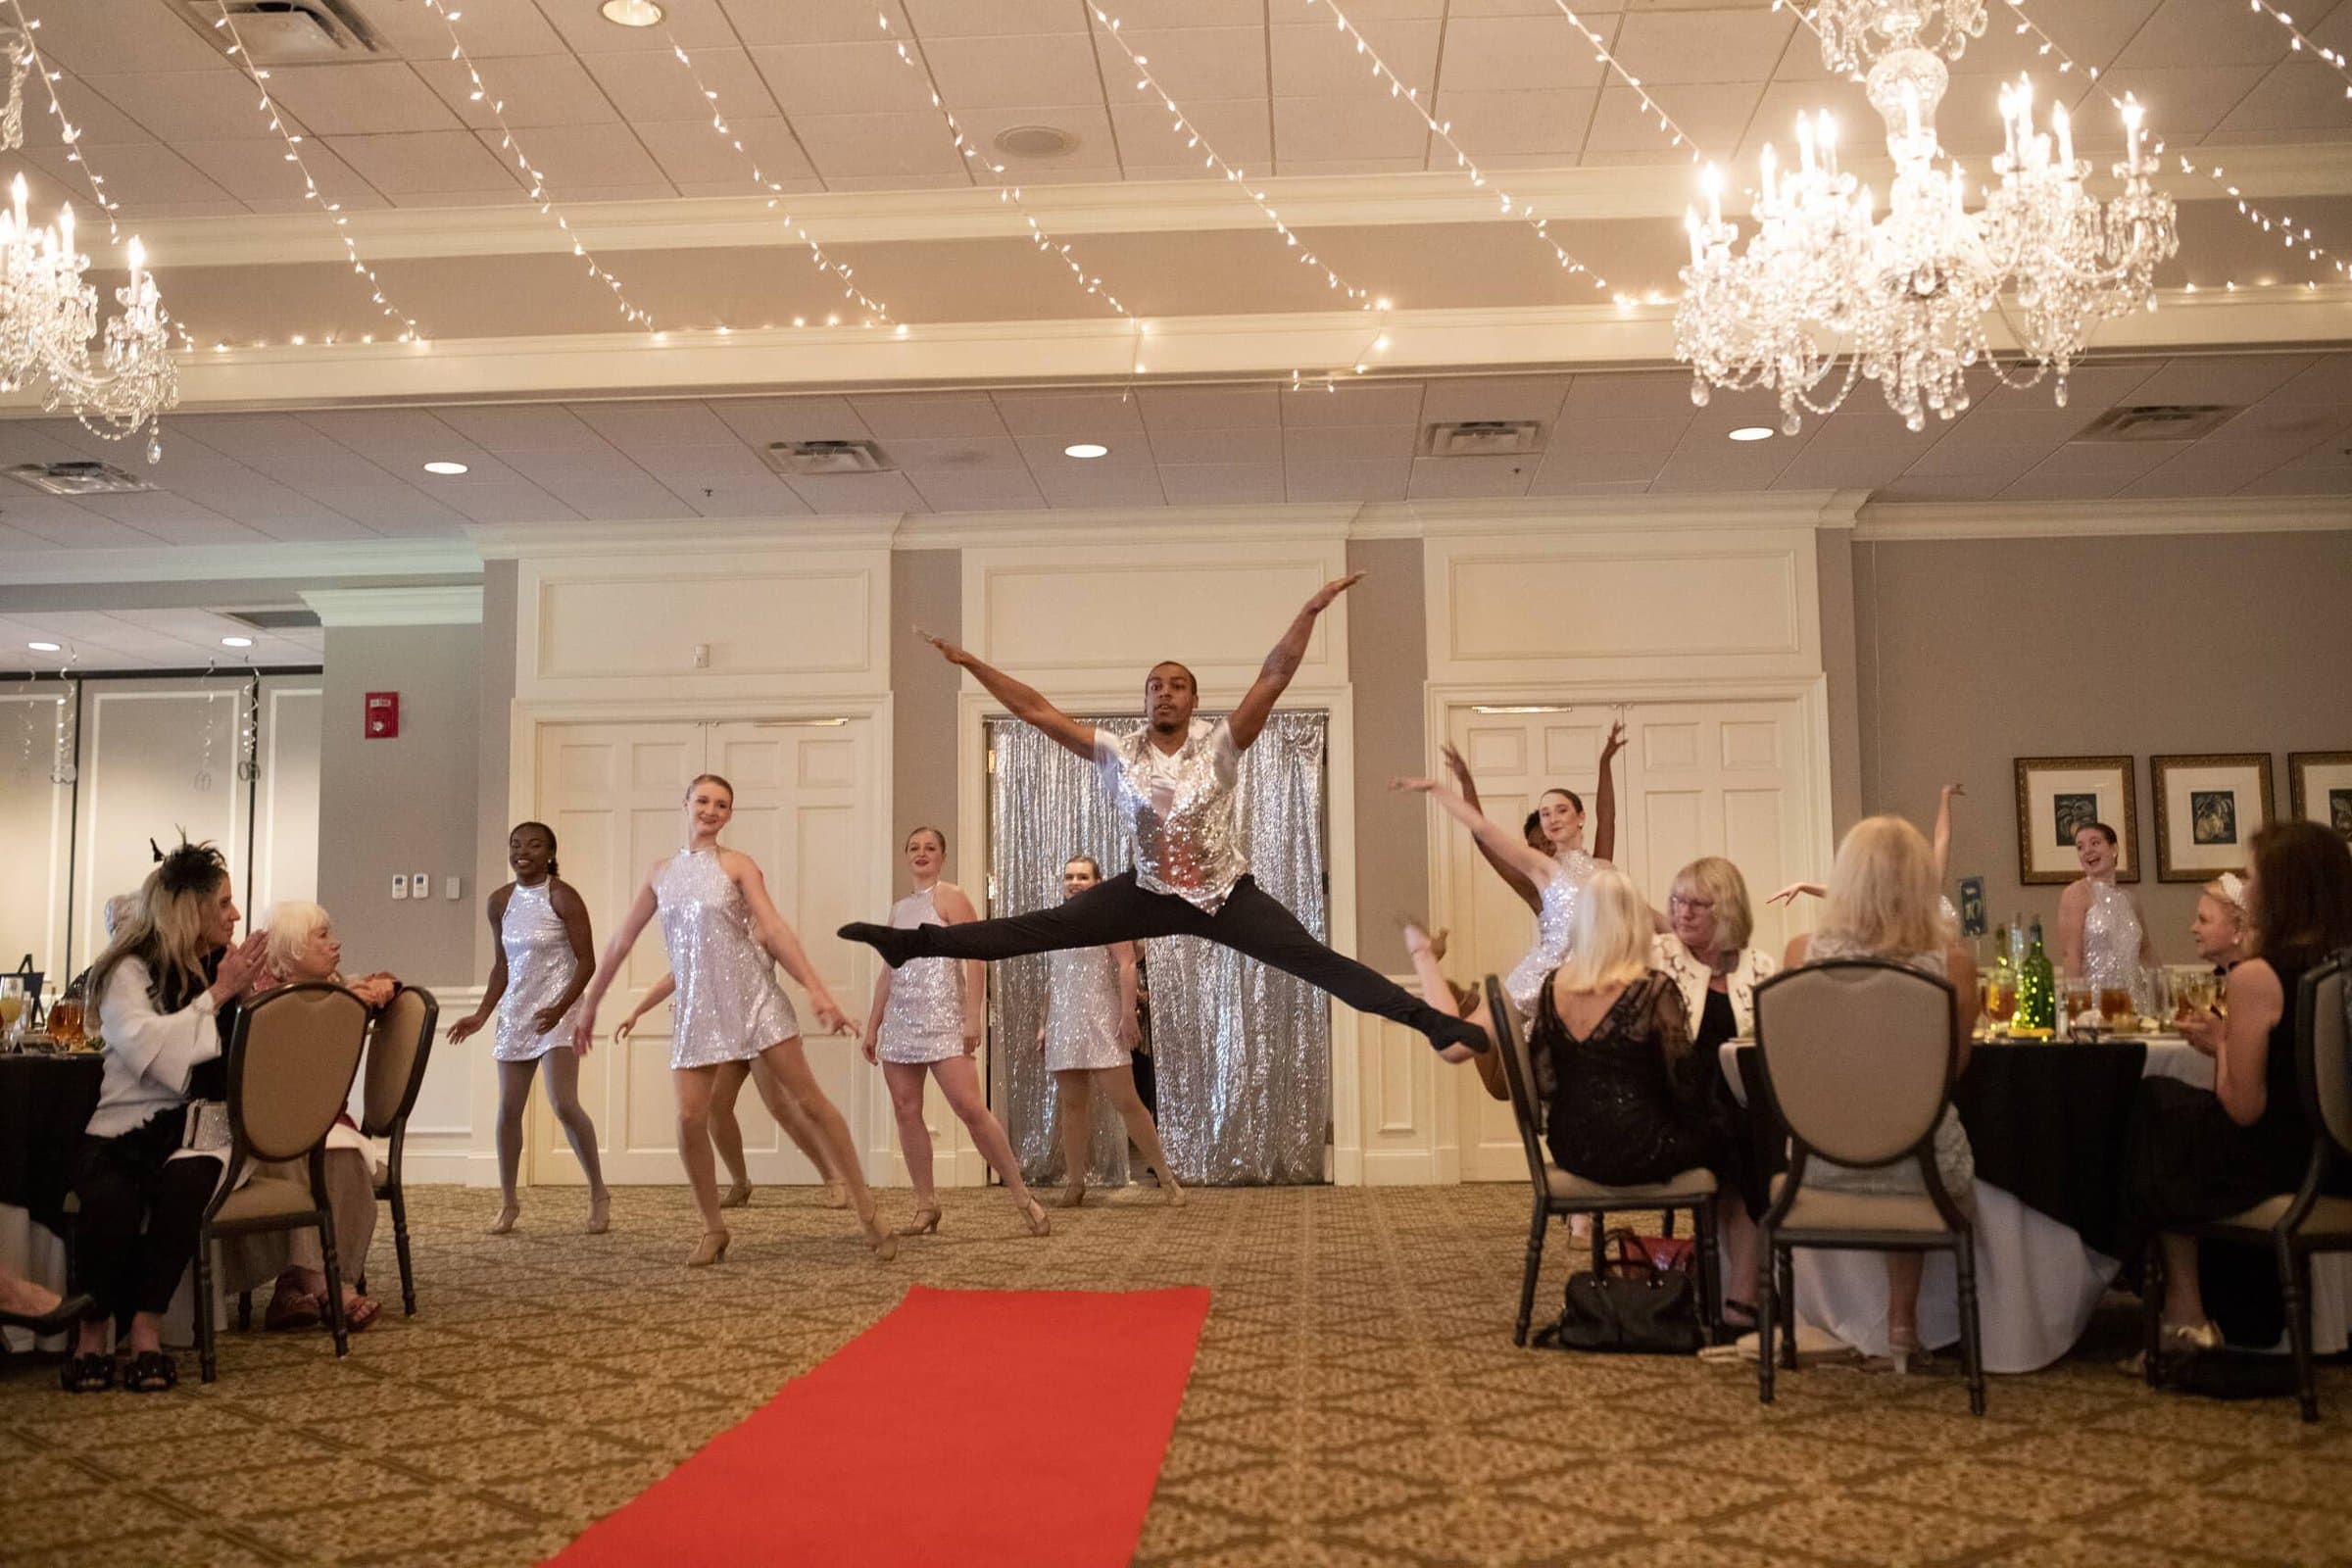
[(2159, 422), (1036, 141), (287, 32), (1480, 438), (78, 478), (814, 459)]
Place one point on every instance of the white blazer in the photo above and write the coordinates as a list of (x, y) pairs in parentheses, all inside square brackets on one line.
[(1751, 969)]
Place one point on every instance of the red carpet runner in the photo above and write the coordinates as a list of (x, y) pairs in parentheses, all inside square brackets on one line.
[(970, 1428)]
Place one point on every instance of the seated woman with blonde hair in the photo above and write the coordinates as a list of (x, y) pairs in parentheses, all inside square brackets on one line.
[(302, 946), (1883, 903)]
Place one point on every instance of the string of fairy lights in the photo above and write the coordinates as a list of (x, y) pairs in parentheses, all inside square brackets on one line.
[(2303, 43), (67, 131)]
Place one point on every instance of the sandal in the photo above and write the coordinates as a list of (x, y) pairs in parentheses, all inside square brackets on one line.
[(292, 1307), (359, 1312), (88, 1374), (152, 1372)]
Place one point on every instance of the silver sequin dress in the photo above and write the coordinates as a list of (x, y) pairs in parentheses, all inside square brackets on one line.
[(1178, 810), (2111, 938), (1083, 1012), (540, 963), (729, 1006), (923, 1021), (1525, 982)]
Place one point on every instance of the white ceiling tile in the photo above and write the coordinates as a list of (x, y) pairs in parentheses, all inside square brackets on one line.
[(2231, 379), (247, 436), (1155, 17), (933, 414), (694, 24), (78, 529), (1095, 484), (1095, 155), (1638, 395), (491, 28), (2304, 423), (577, 160), (2242, 458), (2197, 32), (1495, 396), (843, 79), (644, 89), (1263, 445), (121, 35), (2301, 482), (2172, 481), (1435, 477), (149, 175), (1218, 408), (400, 438), (214, 105), (1079, 415), (1348, 443), (379, 97), (1857, 467), (611, 490), (2127, 459), (1714, 116), (1358, 402), (439, 161), (960, 19), (813, 20), (2064, 487), (1774, 121), (527, 91), (257, 172), (636, 427), (1485, 54), (1240, 129), (1005, 72), (1995, 463), (859, 493), (1191, 64), (847, 147), (510, 428), (1703, 45), (2328, 382), (759, 420), (1653, 438), (1411, 164), (1318, 60), (1045, 453), (1515, 124), (513, 502), (724, 482), (961, 453), (977, 489), (1872, 429), (176, 519), (2182, 102), (1574, 470), (1213, 484), (2301, 95)]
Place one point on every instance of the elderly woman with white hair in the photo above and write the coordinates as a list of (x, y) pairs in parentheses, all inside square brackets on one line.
[(302, 946)]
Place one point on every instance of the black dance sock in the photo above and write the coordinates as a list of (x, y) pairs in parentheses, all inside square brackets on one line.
[(888, 940), (1460, 1031)]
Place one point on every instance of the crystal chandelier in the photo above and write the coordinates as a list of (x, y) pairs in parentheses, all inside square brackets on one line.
[(1904, 298), (48, 315)]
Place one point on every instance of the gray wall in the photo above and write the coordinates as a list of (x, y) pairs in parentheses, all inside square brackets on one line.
[(410, 804), (1834, 557), (494, 712), (1388, 654), (1972, 653), (926, 590)]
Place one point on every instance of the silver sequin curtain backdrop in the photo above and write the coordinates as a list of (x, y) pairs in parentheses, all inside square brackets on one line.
[(1241, 1053)]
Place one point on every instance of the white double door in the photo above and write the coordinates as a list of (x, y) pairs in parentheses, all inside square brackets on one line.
[(1739, 779), (805, 809)]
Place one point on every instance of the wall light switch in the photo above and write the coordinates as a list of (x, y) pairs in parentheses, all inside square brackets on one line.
[(452, 888), (420, 885), (400, 886)]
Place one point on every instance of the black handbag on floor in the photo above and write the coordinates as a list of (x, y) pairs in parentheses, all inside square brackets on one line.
[(1632, 1306)]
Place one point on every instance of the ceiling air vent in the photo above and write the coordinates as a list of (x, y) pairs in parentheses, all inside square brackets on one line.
[(808, 458), (78, 478), (286, 620), (1481, 438), (287, 32), (2159, 422)]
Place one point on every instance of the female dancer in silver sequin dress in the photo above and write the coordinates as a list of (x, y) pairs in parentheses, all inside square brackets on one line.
[(2101, 936), (926, 1025), (723, 930), (546, 952), (1089, 1038)]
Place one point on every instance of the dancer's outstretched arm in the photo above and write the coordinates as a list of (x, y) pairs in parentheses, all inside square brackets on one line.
[(1512, 875), (1604, 797), (1025, 702), (497, 987), (1537, 866), (616, 954), (782, 945), (1249, 714), (1944, 831)]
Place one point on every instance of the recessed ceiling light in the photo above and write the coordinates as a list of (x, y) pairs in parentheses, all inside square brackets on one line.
[(1035, 141), (45, 648), (445, 468), (1086, 449), (630, 13), (1752, 432), (237, 642)]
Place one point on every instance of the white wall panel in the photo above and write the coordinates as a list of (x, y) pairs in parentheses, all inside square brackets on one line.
[(36, 815), (286, 834), (156, 762)]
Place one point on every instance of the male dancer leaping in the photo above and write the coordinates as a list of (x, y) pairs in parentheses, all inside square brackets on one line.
[(1174, 783)]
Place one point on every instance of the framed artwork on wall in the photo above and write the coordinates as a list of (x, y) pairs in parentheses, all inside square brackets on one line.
[(2056, 796), (2208, 809), (2319, 787)]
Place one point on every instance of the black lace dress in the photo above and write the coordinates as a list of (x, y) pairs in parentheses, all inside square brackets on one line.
[(1632, 1102)]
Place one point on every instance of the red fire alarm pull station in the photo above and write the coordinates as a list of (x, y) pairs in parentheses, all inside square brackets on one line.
[(384, 716)]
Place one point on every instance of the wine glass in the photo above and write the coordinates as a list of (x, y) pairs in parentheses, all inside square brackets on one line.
[(11, 1007)]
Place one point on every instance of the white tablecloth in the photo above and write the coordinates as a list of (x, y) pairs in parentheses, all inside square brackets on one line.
[(2036, 1282)]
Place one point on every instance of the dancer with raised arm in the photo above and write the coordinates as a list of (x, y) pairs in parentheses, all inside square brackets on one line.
[(1556, 826), (1173, 781), (926, 1024), (546, 952), (1090, 1035), (723, 930)]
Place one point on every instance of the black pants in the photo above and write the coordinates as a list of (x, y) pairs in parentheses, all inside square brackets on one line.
[(1251, 921), (140, 1211)]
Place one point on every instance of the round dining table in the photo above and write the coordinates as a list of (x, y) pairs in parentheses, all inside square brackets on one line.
[(2046, 1124)]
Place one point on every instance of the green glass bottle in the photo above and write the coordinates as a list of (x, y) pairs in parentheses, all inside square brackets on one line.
[(2036, 988)]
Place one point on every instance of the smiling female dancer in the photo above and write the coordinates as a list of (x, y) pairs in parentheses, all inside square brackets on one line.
[(926, 1024), (722, 929)]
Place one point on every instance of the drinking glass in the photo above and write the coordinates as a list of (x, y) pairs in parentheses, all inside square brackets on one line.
[(2078, 1007), (2001, 1001), (12, 1007), (2192, 994), (64, 1022)]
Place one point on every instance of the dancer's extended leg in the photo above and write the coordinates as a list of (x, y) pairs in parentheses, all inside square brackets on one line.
[(1074, 1111), (907, 1081), (560, 1069), (959, 1081), (727, 1133), (1118, 1085), (799, 1128), (1116, 910), (695, 1088), (1254, 922), (514, 1098), (790, 1064)]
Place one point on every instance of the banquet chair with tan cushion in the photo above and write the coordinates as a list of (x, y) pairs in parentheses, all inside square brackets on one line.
[(1562, 1192), (400, 1042), (1859, 1055), (2298, 1224), (290, 1068)]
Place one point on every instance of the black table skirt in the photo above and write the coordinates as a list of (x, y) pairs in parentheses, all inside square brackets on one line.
[(45, 1101), (2045, 1122)]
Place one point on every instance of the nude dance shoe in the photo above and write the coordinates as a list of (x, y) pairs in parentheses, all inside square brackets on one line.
[(710, 1250), (599, 1214), (505, 1223), (737, 1196)]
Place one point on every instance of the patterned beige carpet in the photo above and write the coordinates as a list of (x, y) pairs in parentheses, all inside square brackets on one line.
[(1356, 1400)]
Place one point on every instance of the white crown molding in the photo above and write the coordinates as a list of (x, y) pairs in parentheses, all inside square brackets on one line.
[(1431, 520), (1255, 524), (699, 536), (386, 558), (1096, 352), (1567, 195), (1882, 521), (396, 607)]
